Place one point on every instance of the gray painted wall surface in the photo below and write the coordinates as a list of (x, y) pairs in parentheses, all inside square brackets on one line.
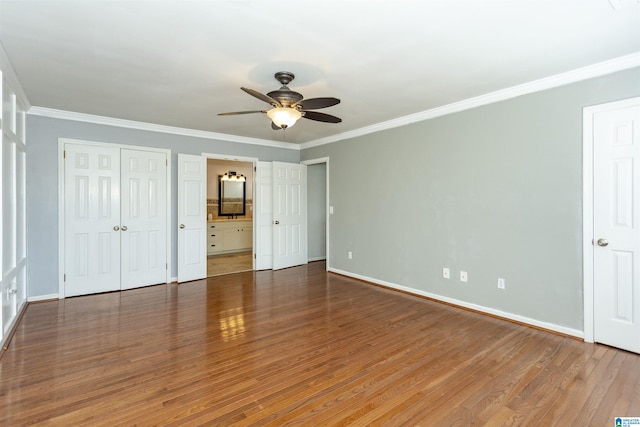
[(495, 191), (42, 182), (316, 208)]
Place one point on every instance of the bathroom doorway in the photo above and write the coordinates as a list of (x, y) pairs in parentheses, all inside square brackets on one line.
[(229, 216)]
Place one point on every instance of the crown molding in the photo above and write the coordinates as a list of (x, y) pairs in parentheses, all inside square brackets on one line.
[(152, 127), (584, 73), (12, 78), (580, 74)]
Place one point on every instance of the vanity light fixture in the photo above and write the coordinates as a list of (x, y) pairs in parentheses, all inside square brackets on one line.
[(231, 176)]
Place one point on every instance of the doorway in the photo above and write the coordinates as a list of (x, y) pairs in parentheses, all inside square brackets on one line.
[(229, 216), (318, 208)]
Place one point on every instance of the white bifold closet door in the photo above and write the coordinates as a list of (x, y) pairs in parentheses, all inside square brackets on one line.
[(115, 217)]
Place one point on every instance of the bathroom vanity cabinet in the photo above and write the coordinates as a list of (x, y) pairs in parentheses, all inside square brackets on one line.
[(228, 236)]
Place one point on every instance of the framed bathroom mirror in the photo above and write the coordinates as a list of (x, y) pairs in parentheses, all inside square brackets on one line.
[(231, 196)]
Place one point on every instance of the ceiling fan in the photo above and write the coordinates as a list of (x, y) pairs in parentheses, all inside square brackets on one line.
[(289, 106)]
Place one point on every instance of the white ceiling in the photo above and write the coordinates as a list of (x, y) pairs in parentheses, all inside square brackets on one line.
[(179, 63)]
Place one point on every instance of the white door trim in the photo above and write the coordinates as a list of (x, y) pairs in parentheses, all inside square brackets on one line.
[(587, 208), (61, 229), (254, 162), (327, 213)]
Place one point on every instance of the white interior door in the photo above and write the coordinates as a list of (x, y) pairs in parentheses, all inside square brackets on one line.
[(616, 219), (192, 217), (143, 218), (92, 219), (263, 211), (289, 215)]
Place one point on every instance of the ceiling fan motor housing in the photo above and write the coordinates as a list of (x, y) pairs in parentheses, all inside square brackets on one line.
[(284, 95)]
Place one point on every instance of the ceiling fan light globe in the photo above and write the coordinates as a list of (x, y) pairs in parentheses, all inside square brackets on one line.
[(284, 117)]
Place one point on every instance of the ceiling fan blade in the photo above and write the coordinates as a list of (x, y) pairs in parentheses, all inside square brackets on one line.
[(316, 103), (262, 97), (275, 127), (321, 117), (235, 113)]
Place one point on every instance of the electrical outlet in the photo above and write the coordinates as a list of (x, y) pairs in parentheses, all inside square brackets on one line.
[(350, 255), (463, 276), (500, 283), (446, 273)]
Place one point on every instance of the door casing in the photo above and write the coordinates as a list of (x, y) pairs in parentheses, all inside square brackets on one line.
[(324, 160), (254, 162)]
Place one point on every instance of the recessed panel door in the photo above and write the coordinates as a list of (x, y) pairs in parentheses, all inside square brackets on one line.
[(144, 218), (617, 227), (289, 215), (92, 219), (192, 217)]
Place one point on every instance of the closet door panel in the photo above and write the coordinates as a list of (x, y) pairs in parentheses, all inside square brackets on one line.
[(92, 219), (144, 218)]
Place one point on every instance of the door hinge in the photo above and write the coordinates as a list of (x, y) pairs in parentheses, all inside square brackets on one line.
[(64, 154), (255, 169), (166, 266), (254, 256), (166, 162), (65, 278)]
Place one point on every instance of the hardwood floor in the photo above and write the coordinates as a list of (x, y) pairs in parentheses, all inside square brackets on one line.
[(299, 347), (230, 263)]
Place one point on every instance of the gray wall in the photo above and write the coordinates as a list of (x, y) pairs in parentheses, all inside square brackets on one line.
[(317, 211), (42, 182), (495, 191)]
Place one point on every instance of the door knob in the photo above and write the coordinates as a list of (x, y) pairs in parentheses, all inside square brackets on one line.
[(124, 228), (116, 228), (276, 222), (181, 225), (602, 242)]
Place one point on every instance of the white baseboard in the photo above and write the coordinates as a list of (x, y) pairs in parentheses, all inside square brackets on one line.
[(173, 279), (488, 310), (42, 298)]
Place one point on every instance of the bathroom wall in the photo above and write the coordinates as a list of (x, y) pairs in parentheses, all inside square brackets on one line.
[(215, 168)]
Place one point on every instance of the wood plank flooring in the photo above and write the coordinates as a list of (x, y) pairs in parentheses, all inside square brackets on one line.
[(229, 263), (299, 347)]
